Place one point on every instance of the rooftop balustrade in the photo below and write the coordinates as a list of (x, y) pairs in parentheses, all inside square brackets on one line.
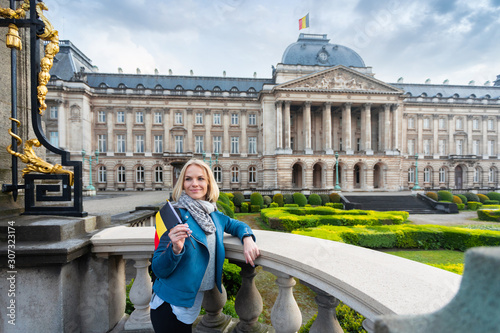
[(370, 282)]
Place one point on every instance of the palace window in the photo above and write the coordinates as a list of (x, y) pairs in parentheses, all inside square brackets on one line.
[(411, 175), (235, 145), (477, 175), (492, 175), (252, 145), (491, 125), (178, 118), (217, 91), (120, 174), (411, 147), (54, 110), (139, 143), (198, 91), (234, 119), (101, 143), (217, 144), (120, 143), (120, 117), (491, 147), (475, 124), (101, 174), (218, 174), (139, 117), (216, 118), (442, 175), (179, 143), (198, 144), (427, 147), (460, 147), (442, 147), (475, 147), (442, 123), (158, 174), (427, 175), (199, 119), (158, 118), (252, 174), (139, 174), (234, 91), (252, 119), (54, 138), (252, 92), (411, 123), (460, 123), (101, 117), (158, 144), (427, 123), (235, 174)]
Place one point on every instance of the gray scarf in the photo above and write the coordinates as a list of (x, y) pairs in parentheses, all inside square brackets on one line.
[(200, 210)]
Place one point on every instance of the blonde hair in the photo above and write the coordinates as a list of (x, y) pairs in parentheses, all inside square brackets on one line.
[(212, 188)]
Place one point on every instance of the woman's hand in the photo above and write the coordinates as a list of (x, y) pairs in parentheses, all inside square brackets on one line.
[(178, 235), (250, 250)]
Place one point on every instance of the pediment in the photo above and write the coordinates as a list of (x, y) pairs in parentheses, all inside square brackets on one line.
[(339, 78)]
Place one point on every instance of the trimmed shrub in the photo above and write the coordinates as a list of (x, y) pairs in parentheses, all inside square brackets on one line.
[(244, 207), (494, 196), (230, 196), (267, 200), (273, 205), (338, 205), (238, 199), (225, 209), (464, 199), (488, 214), (457, 200), (291, 205), (471, 197), (325, 198), (254, 208), (482, 197), (474, 205), (224, 198), (308, 205), (432, 195), (278, 198), (288, 198), (315, 200), (334, 197), (461, 206), (491, 202), (256, 199), (445, 196), (299, 199), (329, 204)]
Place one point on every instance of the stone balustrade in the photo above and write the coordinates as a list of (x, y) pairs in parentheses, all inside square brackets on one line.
[(370, 282)]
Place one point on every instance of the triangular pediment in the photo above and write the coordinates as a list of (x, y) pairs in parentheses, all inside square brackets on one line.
[(338, 78)]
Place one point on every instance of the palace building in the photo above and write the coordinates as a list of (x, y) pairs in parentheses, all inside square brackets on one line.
[(322, 108)]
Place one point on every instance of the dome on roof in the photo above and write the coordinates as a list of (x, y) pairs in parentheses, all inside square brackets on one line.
[(315, 50)]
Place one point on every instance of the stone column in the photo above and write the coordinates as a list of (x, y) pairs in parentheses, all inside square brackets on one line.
[(468, 150), (419, 146), (279, 126), (225, 124), (346, 129), (498, 137), (189, 126), (248, 303), (387, 128), (130, 121), (451, 131), (307, 128), (327, 127), (285, 314), (326, 320), (395, 127), (435, 131), (336, 127), (404, 141), (214, 320), (286, 116), (110, 136), (367, 130), (166, 131), (149, 126), (208, 137), (140, 295), (484, 148), (381, 130), (243, 137)]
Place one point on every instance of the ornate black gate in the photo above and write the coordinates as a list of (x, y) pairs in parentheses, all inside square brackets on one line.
[(49, 189)]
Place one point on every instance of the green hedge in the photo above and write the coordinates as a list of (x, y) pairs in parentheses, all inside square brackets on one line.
[(406, 236), (445, 196), (256, 199), (474, 205), (267, 200), (457, 199), (225, 209), (254, 208), (288, 198), (273, 205), (334, 197), (471, 197), (491, 202), (244, 207), (299, 199), (461, 206), (315, 200), (291, 205), (464, 199), (291, 218), (494, 196), (238, 199), (278, 198), (489, 213), (325, 198), (432, 195)]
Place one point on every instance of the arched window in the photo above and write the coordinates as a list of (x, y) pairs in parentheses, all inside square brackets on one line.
[(492, 175), (122, 86), (217, 91), (252, 174), (198, 91), (477, 175), (120, 174), (103, 85), (179, 90), (139, 174), (158, 174), (235, 174), (101, 174), (252, 91), (442, 175), (140, 86), (218, 174), (234, 91), (427, 175)]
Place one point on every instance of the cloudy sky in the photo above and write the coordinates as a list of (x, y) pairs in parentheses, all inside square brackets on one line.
[(457, 40)]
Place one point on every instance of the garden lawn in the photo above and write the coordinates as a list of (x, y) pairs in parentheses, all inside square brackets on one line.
[(452, 261)]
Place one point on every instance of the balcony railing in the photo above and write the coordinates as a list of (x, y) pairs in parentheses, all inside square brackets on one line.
[(370, 282)]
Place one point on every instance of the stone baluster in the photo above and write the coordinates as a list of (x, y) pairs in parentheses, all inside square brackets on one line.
[(248, 303), (214, 320), (326, 320), (140, 296), (285, 314)]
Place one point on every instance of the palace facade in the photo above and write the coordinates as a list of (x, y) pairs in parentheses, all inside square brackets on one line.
[(279, 133)]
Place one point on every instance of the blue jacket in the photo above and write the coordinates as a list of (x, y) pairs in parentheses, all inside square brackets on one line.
[(179, 276)]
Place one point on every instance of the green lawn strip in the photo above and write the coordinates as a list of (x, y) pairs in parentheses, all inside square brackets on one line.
[(452, 261)]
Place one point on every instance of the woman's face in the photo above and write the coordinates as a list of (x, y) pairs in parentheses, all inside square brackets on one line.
[(195, 182)]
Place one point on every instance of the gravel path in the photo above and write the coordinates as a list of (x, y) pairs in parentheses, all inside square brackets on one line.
[(113, 203), (448, 219)]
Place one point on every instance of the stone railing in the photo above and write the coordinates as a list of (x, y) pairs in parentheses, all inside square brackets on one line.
[(370, 282)]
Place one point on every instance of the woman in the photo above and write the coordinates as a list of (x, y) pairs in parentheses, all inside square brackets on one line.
[(184, 271)]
